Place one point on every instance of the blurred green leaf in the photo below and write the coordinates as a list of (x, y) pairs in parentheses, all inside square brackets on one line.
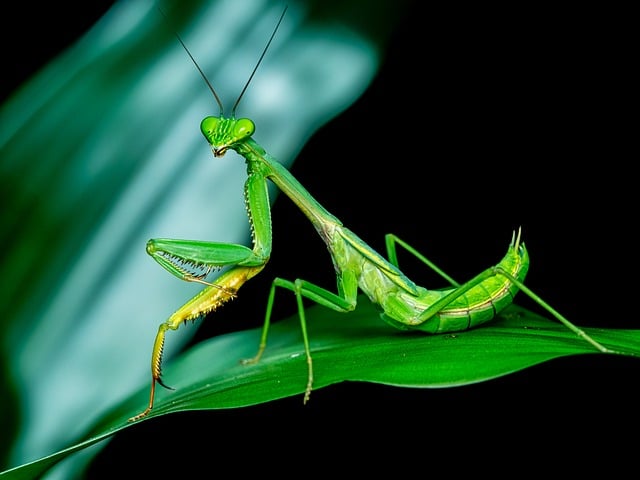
[(357, 346), (101, 151)]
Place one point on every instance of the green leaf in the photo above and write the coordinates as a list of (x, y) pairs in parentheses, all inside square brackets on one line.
[(345, 347)]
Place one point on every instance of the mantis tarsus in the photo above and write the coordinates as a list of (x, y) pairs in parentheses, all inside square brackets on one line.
[(404, 304)]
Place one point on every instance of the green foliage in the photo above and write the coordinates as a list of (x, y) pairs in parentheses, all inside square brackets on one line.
[(346, 347)]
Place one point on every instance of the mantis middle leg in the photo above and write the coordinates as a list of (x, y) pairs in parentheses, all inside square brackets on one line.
[(344, 301)]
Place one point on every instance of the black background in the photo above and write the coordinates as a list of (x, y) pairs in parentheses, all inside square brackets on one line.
[(524, 125)]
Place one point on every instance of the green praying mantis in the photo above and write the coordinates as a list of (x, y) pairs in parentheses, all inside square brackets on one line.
[(403, 304)]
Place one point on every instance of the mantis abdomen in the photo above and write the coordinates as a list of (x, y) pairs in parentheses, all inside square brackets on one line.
[(410, 307)]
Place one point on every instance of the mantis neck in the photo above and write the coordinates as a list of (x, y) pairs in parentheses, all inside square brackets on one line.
[(260, 162)]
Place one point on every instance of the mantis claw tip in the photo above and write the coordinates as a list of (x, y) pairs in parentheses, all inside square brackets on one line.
[(159, 380)]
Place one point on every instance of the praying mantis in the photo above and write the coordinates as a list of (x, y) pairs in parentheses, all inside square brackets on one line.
[(403, 304)]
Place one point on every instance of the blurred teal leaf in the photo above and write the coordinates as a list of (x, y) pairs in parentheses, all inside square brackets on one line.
[(357, 346), (101, 151)]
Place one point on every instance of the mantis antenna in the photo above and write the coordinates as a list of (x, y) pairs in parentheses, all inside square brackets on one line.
[(244, 89), (215, 95), (266, 47)]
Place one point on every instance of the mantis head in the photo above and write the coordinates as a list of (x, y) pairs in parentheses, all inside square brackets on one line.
[(224, 133)]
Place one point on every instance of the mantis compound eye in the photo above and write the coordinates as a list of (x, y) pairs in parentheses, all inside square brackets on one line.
[(209, 125), (244, 128)]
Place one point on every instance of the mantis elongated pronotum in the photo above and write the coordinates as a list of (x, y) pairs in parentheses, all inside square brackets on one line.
[(404, 304)]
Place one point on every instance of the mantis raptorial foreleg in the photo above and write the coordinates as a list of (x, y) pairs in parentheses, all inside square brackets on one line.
[(208, 300), (193, 260)]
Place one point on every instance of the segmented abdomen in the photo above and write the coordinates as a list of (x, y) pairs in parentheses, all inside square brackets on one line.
[(480, 304)]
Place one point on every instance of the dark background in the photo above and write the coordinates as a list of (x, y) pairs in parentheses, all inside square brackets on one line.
[(480, 121)]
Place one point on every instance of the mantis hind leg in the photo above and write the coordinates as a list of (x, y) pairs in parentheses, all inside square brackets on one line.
[(561, 318), (391, 241), (302, 288)]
